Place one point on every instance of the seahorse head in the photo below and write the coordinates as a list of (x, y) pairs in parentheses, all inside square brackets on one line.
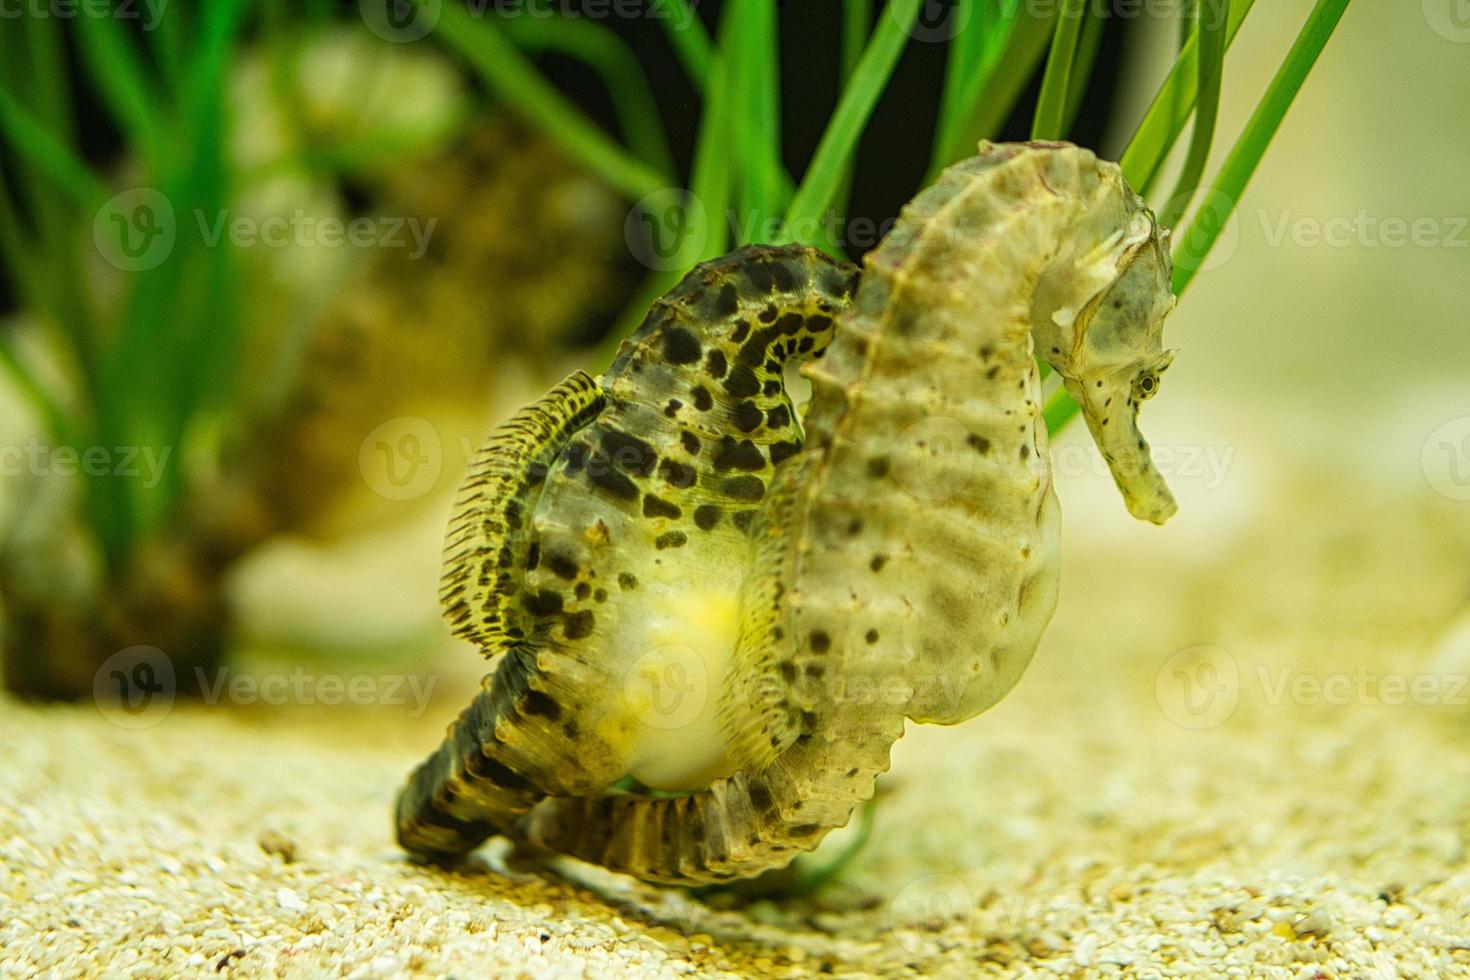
[(1116, 363)]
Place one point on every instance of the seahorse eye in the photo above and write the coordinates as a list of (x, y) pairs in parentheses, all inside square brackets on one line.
[(1148, 386)]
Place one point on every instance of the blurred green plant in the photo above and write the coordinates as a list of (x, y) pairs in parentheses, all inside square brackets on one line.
[(146, 362)]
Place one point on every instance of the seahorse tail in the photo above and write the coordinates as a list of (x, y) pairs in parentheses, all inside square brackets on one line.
[(466, 792), (740, 826)]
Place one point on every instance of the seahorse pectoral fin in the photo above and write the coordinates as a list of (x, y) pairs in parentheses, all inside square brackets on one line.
[(488, 544)]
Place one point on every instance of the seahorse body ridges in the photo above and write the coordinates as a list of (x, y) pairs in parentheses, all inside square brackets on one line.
[(905, 561)]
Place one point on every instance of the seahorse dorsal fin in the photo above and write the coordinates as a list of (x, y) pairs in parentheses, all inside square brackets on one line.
[(487, 545)]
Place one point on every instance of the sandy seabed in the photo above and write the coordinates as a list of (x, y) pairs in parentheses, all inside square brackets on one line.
[(1240, 752)]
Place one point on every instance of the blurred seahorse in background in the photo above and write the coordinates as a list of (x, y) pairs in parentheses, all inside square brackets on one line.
[(685, 593)]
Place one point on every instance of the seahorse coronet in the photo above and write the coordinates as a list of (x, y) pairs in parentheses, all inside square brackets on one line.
[(687, 588)]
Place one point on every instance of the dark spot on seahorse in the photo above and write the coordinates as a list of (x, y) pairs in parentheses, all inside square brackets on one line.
[(760, 796), (980, 444), (562, 566), (672, 408), (702, 399), (544, 603), (727, 301), (629, 452), (783, 450), (1117, 304), (706, 516), (791, 323), (716, 364), (819, 324), (773, 366), (786, 279), (533, 556), (570, 728), (600, 595), (741, 382), (985, 351), (747, 416), (742, 329), (1025, 451), (677, 474), (744, 487), (805, 829), (851, 773), (658, 507), (600, 473), (788, 671), (878, 467), (778, 417), (994, 370), (539, 703), (513, 514), (680, 346), (760, 276), (579, 624), (807, 343), (871, 636), (742, 519), (904, 322), (689, 441), (854, 526), (769, 314), (878, 562), (583, 590), (820, 641), (771, 388), (627, 581), (777, 633), (670, 539), (742, 455)]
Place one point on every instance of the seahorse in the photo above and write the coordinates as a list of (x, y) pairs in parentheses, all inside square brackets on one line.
[(903, 561)]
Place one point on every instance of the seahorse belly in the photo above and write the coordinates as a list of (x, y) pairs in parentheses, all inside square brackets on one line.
[(677, 669)]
